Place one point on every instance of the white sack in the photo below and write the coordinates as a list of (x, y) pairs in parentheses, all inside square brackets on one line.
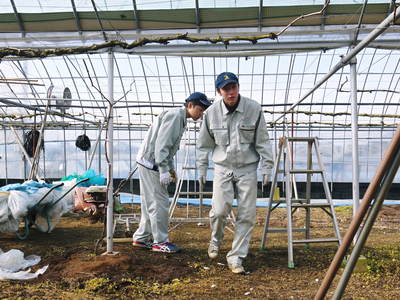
[(10, 225), (4, 206)]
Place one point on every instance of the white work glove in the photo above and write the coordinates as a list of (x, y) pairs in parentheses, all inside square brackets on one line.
[(174, 177), (165, 178), (266, 179)]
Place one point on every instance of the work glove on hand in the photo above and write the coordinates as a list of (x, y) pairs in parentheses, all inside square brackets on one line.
[(165, 178), (266, 179), (174, 177)]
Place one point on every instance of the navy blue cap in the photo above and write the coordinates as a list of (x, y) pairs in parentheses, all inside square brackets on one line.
[(200, 97), (225, 78)]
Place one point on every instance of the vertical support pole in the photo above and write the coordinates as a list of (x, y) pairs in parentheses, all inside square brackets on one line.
[(354, 131), (109, 146), (308, 189), (201, 186), (288, 183), (99, 157), (86, 160), (65, 152), (5, 154)]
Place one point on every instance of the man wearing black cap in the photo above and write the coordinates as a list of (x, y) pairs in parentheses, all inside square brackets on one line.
[(234, 131), (156, 171)]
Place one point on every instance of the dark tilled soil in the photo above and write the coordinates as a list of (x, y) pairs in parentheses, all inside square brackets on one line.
[(76, 272)]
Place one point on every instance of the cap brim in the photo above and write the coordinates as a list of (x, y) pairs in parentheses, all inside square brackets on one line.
[(205, 103), (224, 83)]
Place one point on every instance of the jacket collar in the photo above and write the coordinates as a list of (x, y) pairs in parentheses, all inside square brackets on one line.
[(240, 107), (183, 113)]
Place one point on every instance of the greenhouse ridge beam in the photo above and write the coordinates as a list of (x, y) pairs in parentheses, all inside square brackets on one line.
[(259, 49), (173, 19)]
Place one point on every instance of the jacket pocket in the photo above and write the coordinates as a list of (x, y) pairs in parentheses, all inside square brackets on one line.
[(221, 136), (246, 133)]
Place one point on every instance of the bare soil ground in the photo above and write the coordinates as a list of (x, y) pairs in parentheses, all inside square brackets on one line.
[(76, 272)]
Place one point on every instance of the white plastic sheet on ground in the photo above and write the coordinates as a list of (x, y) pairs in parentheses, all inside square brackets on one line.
[(13, 261)]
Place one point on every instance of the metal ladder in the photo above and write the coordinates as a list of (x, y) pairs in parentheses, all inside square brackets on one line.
[(293, 203), (189, 165)]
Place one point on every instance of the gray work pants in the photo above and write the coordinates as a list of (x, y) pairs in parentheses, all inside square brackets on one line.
[(154, 208), (223, 195)]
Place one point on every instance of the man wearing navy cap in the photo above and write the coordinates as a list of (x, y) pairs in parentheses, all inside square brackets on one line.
[(156, 172), (234, 131)]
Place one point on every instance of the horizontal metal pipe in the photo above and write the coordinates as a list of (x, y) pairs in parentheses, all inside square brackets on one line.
[(337, 128), (9, 102), (179, 104)]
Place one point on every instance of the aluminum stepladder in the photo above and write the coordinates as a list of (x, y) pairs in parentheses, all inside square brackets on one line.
[(293, 203), (189, 166)]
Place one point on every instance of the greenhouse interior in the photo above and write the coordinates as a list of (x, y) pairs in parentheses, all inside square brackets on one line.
[(81, 82)]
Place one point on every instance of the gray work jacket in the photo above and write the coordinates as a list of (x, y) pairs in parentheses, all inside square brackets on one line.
[(162, 140), (238, 141)]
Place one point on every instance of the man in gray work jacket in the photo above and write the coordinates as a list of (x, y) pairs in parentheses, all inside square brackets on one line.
[(234, 131), (156, 171)]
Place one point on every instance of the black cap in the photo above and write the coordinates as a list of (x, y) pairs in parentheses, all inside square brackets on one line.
[(200, 97), (225, 78)]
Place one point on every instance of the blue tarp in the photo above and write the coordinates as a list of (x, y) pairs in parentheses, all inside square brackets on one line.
[(29, 187), (94, 179)]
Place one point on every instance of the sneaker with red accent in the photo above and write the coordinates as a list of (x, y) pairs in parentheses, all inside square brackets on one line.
[(166, 247), (144, 245)]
